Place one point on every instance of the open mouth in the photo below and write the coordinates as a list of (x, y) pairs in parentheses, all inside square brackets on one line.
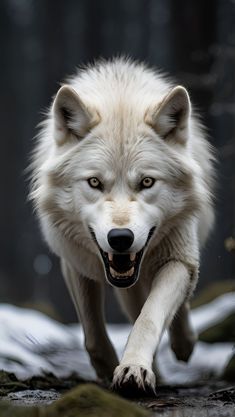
[(122, 269)]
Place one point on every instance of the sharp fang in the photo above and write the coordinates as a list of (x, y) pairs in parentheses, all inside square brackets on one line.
[(120, 275), (132, 256), (131, 271), (112, 272), (110, 255)]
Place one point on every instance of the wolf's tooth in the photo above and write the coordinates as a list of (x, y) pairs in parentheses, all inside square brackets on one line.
[(130, 272), (119, 274), (113, 272), (110, 255), (132, 256)]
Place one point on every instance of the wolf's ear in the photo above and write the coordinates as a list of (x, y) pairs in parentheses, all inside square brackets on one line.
[(71, 117), (170, 119)]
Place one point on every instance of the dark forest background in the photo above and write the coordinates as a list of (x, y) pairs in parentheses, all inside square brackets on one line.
[(43, 41)]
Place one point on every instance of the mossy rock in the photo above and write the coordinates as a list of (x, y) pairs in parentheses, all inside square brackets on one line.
[(9, 410), (9, 383), (223, 331), (86, 400), (213, 291)]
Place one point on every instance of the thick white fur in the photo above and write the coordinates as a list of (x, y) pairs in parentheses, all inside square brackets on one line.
[(126, 122)]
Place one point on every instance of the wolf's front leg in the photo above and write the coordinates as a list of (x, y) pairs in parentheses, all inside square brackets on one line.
[(88, 299), (167, 294)]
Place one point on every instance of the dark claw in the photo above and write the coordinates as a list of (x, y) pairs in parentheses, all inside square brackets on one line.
[(130, 388), (144, 373)]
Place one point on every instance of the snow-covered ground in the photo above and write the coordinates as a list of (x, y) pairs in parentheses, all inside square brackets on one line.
[(31, 343)]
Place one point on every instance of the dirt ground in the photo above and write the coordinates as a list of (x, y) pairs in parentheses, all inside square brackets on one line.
[(210, 399)]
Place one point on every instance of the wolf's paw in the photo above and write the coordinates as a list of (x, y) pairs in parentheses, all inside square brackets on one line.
[(184, 348), (134, 381)]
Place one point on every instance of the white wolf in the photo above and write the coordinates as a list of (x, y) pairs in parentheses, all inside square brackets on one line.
[(122, 179)]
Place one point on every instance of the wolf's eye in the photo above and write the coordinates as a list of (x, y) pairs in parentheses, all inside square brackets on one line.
[(147, 182), (95, 183)]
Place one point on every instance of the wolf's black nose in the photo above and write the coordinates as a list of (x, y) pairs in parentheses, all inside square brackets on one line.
[(120, 239)]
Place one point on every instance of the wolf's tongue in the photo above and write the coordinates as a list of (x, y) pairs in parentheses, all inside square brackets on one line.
[(122, 263)]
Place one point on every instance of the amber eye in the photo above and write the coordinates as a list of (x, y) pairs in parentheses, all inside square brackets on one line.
[(147, 182), (94, 182)]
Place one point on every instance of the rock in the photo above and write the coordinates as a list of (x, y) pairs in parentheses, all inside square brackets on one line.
[(86, 400), (223, 331), (229, 372)]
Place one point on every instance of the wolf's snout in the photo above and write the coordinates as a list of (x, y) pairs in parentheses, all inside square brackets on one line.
[(120, 239)]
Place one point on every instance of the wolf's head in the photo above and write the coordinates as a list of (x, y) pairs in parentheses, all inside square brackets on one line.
[(119, 176)]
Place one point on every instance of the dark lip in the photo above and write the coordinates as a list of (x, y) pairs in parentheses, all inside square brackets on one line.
[(127, 281)]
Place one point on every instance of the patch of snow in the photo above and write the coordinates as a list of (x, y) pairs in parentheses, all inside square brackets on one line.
[(32, 343)]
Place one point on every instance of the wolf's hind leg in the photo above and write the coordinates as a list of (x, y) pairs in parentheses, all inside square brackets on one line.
[(182, 335), (88, 299)]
